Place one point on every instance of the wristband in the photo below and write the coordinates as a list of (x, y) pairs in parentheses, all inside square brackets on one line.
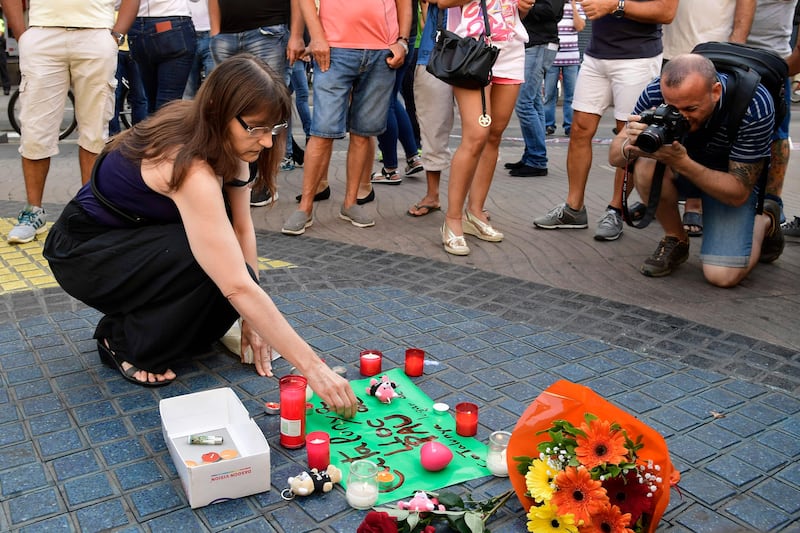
[(622, 149), (402, 41)]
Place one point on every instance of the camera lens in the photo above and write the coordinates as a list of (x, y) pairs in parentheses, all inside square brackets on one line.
[(651, 139)]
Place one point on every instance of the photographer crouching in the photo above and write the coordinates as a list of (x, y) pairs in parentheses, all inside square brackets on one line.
[(689, 136)]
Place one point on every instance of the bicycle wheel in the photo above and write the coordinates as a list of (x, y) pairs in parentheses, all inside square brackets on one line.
[(125, 114), (68, 121)]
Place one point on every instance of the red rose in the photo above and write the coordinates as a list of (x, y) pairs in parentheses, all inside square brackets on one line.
[(378, 522), (429, 529)]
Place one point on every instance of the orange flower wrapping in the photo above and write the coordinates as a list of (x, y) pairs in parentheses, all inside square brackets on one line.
[(570, 402)]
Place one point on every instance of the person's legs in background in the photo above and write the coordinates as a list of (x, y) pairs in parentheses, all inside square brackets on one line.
[(551, 98), (569, 74), (202, 65)]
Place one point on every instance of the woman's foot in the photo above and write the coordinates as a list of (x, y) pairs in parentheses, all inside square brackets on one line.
[(129, 372), (424, 207), (481, 229), (453, 244)]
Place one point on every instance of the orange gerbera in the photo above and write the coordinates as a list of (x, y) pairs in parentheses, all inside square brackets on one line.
[(601, 445), (579, 494), (608, 520)]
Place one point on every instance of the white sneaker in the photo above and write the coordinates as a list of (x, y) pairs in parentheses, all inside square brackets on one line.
[(30, 223)]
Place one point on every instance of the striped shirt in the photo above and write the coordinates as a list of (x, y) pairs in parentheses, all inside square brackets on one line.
[(568, 53), (713, 149)]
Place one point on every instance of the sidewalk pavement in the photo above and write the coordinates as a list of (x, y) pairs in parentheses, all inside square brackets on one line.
[(717, 372)]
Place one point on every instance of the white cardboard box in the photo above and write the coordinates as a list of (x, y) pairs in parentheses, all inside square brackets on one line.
[(215, 412)]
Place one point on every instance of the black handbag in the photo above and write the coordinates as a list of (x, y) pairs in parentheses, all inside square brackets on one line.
[(463, 61)]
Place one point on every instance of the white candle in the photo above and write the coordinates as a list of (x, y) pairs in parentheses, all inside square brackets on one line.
[(361, 495), (496, 463)]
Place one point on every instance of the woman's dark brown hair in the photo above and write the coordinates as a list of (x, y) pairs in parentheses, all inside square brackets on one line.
[(198, 129)]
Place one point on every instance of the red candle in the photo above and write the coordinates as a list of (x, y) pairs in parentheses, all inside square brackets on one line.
[(415, 360), (370, 362), (466, 419), (293, 411), (318, 446)]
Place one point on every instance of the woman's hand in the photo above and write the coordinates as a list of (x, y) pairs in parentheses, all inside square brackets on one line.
[(334, 390), (262, 352)]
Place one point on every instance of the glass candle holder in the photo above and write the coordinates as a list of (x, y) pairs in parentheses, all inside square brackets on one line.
[(370, 362), (466, 419), (362, 484), (496, 454), (293, 411), (318, 448), (415, 361)]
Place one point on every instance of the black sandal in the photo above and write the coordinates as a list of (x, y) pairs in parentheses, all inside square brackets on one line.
[(110, 359)]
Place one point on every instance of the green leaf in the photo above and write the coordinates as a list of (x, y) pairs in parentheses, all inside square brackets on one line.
[(474, 522), (412, 520), (450, 500)]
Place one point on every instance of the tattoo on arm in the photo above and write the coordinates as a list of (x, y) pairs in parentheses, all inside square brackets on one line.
[(746, 173)]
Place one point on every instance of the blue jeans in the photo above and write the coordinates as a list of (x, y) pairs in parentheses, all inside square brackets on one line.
[(353, 94), (202, 65), (569, 73), (529, 107), (164, 57), (398, 125), (127, 68), (267, 43), (298, 84)]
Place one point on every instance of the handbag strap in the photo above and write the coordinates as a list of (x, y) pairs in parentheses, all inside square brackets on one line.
[(117, 210)]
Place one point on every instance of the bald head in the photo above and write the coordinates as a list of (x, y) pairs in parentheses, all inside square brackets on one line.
[(683, 66)]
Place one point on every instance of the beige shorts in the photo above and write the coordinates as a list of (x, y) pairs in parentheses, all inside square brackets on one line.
[(52, 59), (435, 115), (619, 82)]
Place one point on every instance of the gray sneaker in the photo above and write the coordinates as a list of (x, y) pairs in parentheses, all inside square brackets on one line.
[(791, 228), (30, 223), (356, 216), (609, 227), (564, 217), (297, 223)]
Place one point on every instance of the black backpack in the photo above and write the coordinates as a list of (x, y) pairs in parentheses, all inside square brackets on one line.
[(745, 67)]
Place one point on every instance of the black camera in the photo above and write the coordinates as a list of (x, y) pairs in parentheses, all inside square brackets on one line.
[(665, 124)]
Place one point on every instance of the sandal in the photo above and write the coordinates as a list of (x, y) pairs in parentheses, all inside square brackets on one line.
[(110, 359), (693, 219), (420, 210)]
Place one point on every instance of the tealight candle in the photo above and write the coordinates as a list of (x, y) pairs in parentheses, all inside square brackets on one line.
[(362, 484), (466, 419), (415, 361), (318, 447), (370, 362), (496, 456)]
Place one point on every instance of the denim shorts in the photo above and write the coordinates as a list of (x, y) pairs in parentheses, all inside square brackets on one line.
[(728, 232), (267, 43), (362, 75)]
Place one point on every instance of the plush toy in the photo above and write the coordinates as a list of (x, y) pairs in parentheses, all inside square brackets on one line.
[(421, 502), (315, 481), (384, 390)]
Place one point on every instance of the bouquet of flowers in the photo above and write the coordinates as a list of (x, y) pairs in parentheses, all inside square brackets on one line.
[(580, 472)]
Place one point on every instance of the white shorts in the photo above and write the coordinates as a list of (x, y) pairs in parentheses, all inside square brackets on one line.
[(435, 114), (52, 59), (618, 82)]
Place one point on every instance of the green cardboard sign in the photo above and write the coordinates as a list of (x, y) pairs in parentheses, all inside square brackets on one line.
[(391, 436)]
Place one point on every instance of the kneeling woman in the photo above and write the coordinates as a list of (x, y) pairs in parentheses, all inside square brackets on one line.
[(162, 243)]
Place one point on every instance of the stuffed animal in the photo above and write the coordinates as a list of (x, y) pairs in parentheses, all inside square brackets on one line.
[(315, 481), (421, 502), (384, 390)]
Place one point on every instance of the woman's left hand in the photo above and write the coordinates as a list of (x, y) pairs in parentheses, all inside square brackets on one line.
[(262, 352)]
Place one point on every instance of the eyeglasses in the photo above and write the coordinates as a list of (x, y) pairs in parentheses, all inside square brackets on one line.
[(262, 130)]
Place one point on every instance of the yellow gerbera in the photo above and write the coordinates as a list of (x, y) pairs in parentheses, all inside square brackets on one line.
[(539, 480), (545, 519)]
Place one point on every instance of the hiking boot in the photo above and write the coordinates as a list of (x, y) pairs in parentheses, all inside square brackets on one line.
[(30, 223), (772, 246), (297, 223), (356, 216), (260, 198), (670, 253), (609, 227), (563, 217), (414, 165), (791, 229), (287, 163)]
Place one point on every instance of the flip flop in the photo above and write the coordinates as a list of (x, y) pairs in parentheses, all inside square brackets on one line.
[(417, 207), (693, 218), (111, 359)]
